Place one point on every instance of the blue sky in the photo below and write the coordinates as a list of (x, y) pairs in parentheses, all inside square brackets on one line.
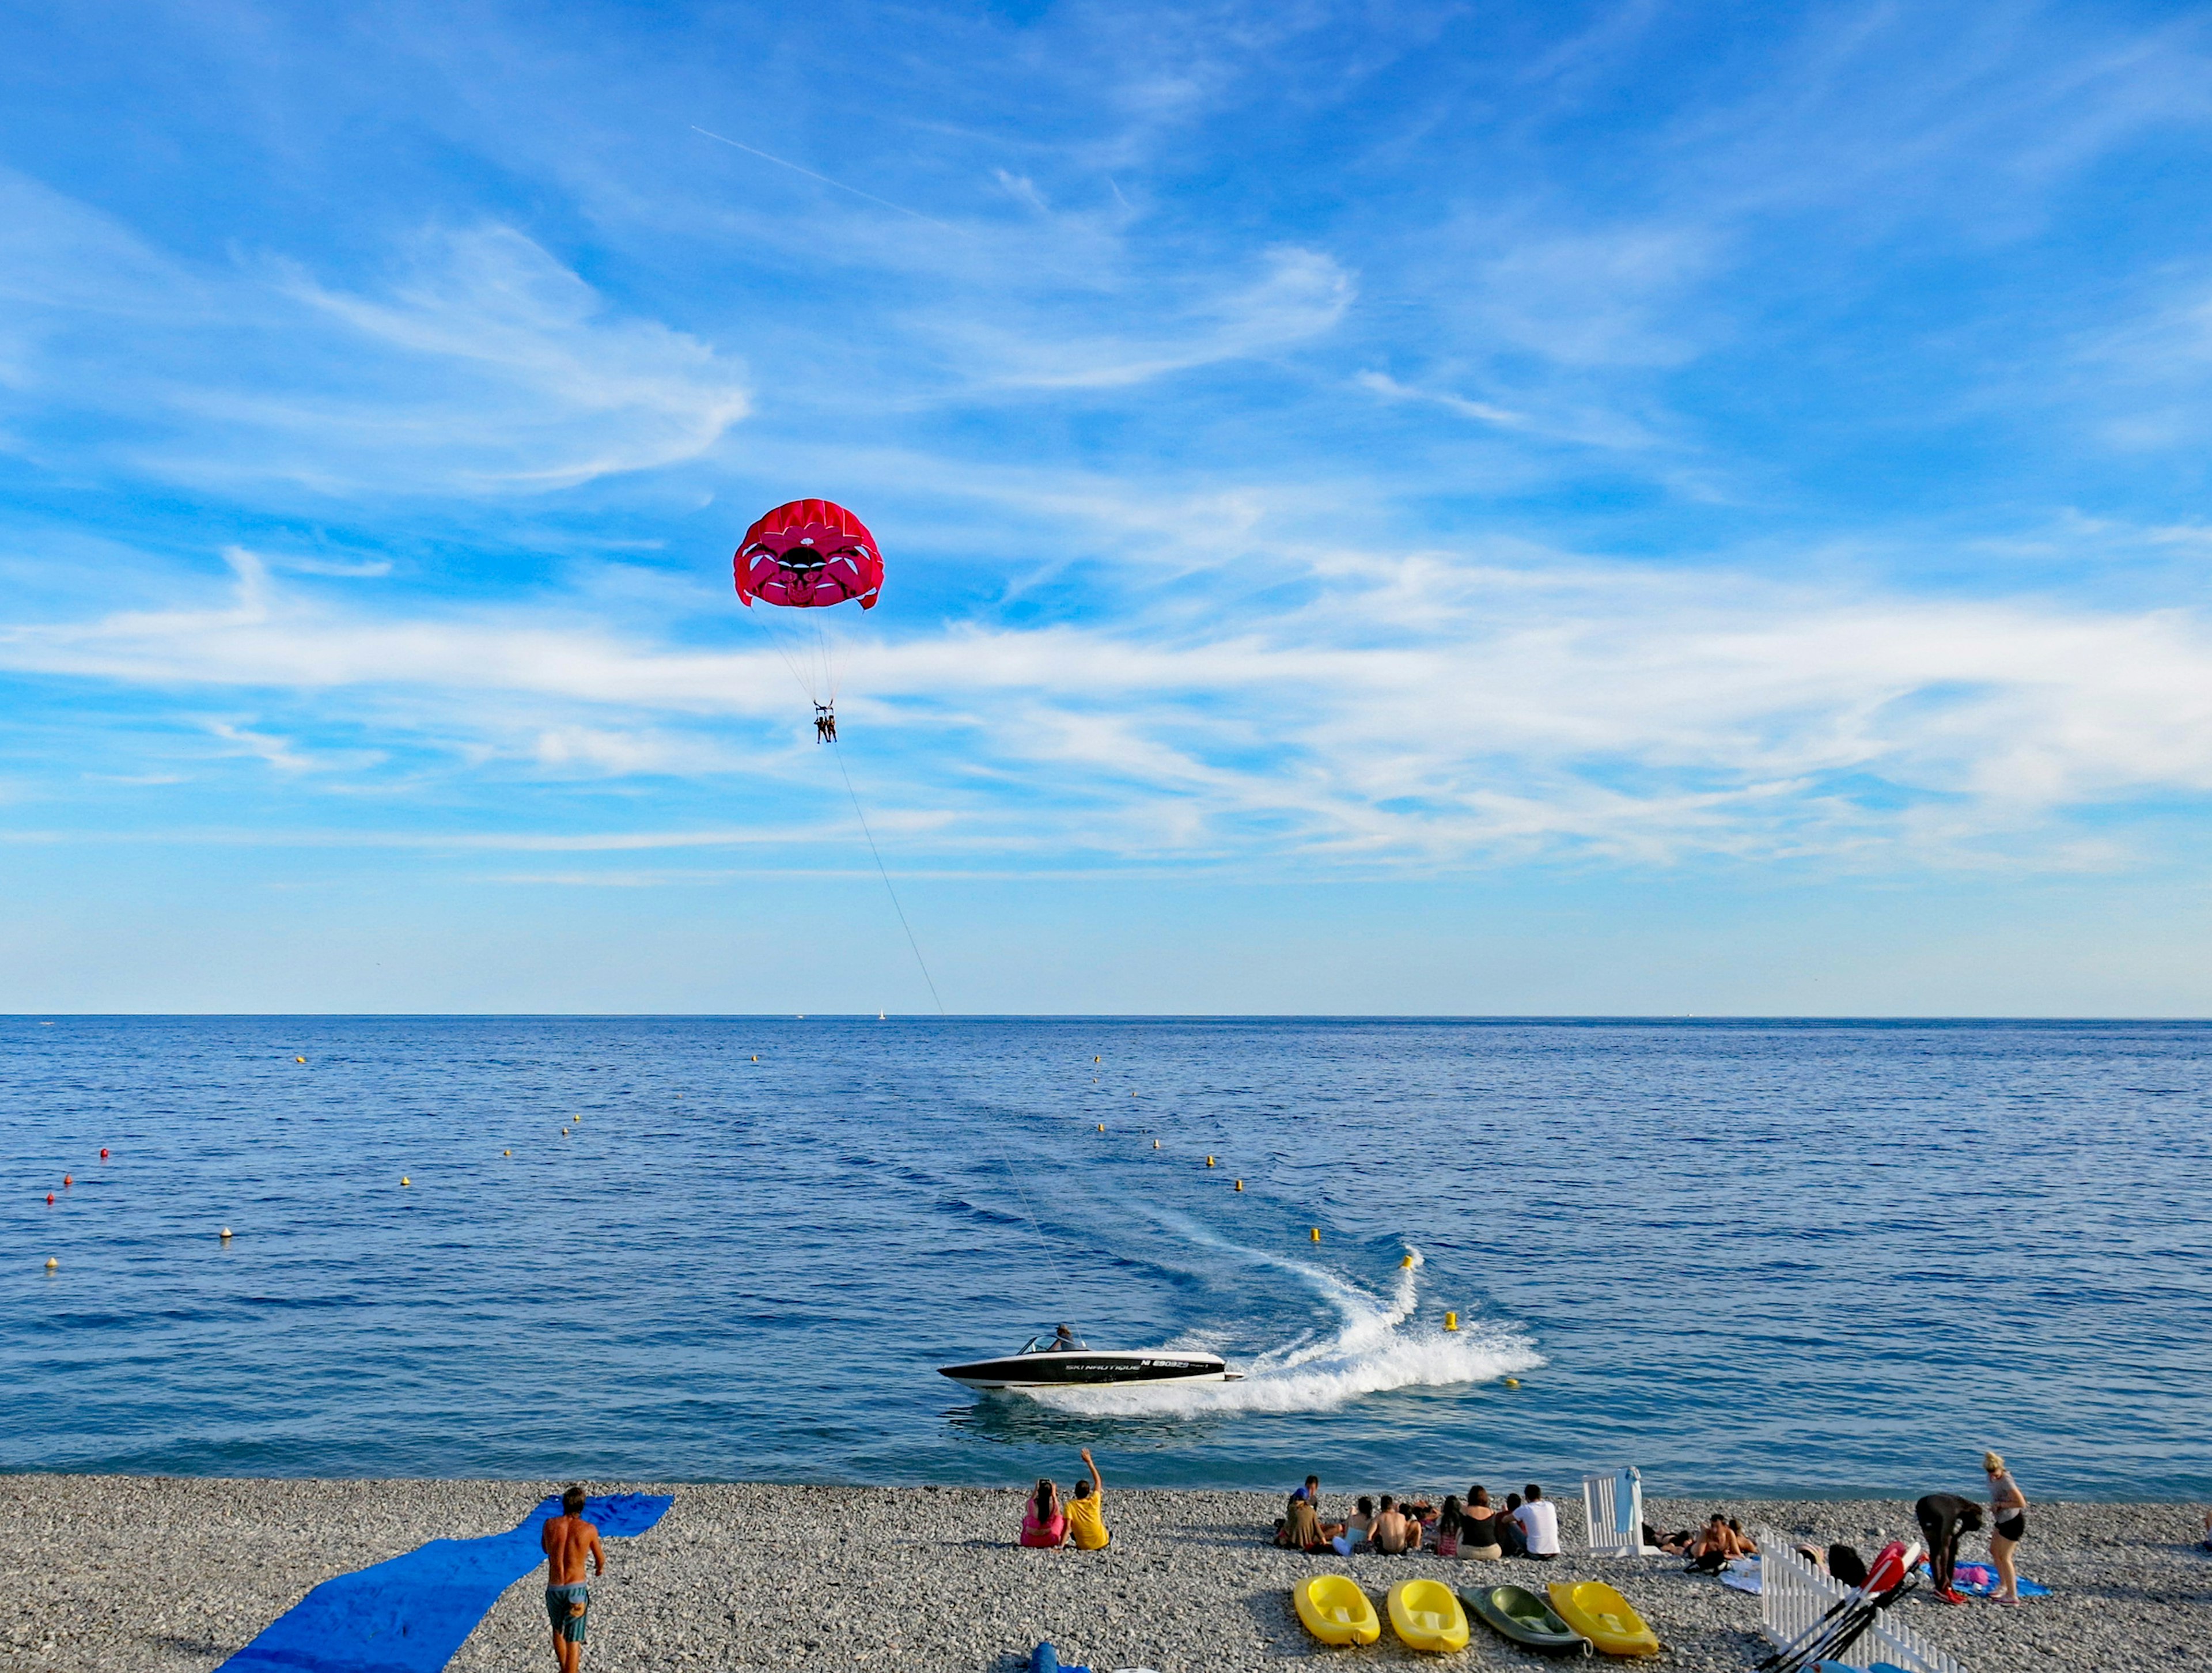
[(1386, 508)]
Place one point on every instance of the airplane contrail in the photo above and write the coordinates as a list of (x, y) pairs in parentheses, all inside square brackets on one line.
[(780, 163)]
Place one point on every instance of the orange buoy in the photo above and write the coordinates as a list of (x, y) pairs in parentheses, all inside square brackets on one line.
[(50, 1198), (67, 1182)]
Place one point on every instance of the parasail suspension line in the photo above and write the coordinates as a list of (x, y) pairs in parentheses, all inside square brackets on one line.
[(1007, 1161), (889, 891)]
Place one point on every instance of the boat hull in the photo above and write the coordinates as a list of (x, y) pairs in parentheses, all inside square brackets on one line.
[(1089, 1369)]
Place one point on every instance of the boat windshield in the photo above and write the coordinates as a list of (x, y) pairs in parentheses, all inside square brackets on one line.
[(1054, 1345)]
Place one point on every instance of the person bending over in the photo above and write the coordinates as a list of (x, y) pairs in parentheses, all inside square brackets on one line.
[(1086, 1511), (569, 1542), (1943, 1518), (1044, 1524), (1540, 1525)]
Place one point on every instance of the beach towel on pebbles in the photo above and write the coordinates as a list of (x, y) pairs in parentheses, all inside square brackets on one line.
[(409, 1615), (1977, 1580)]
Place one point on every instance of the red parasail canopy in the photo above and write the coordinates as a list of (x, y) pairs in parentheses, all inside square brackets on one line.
[(808, 554)]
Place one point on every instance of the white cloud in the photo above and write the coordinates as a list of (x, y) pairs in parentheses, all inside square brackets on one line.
[(1301, 296), (483, 367), (1424, 708)]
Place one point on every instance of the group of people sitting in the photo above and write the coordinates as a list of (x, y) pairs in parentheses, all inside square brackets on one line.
[(1047, 1524), (1525, 1525), (1720, 1542)]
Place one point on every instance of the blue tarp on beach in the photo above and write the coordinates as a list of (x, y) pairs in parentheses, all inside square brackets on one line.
[(409, 1615)]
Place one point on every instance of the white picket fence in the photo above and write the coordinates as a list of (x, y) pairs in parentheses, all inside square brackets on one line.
[(1793, 1594)]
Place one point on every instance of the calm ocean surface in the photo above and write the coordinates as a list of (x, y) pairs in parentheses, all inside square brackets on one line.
[(1793, 1256)]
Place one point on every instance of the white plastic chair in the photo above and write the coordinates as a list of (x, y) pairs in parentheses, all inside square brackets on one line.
[(1613, 1508)]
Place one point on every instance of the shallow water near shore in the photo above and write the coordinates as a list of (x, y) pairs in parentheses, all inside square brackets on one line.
[(1787, 1257)]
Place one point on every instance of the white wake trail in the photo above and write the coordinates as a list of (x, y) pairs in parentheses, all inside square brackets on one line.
[(1370, 1352)]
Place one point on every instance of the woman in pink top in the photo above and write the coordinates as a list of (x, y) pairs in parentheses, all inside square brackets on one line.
[(1044, 1524)]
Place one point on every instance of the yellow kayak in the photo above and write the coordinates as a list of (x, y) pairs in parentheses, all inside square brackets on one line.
[(1602, 1615), (1335, 1611), (1426, 1616)]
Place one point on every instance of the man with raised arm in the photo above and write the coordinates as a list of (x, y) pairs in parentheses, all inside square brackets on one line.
[(568, 1543)]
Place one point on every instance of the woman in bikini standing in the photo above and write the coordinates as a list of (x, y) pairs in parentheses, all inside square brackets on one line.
[(2007, 1524)]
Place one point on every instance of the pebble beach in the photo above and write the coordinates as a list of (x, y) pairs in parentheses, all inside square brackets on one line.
[(121, 1573)]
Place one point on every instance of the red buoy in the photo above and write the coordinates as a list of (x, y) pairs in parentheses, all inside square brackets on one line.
[(103, 1152), (67, 1182), (50, 1198)]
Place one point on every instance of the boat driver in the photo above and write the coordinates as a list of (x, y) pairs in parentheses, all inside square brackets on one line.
[(1064, 1342)]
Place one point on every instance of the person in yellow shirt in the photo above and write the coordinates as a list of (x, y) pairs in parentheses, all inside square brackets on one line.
[(1086, 1511)]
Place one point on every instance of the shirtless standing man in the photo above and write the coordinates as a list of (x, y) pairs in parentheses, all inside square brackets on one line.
[(568, 1541)]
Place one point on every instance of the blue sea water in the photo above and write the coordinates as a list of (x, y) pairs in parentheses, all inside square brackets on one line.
[(1792, 1258)]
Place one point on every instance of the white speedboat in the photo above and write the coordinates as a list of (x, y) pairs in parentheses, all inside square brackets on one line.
[(1061, 1362)]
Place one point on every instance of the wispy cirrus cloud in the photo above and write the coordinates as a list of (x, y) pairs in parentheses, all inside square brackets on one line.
[(1440, 711), (480, 366)]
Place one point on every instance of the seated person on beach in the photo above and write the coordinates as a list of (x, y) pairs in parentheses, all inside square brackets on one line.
[(568, 1543), (1722, 1540), (1478, 1524), (1044, 1524), (1943, 1518), (1303, 1530), (1540, 1525), (1086, 1511), (1361, 1526), (1449, 1522), (1310, 1491), (1419, 1509), (1746, 1546), (1395, 1533), (1511, 1540)]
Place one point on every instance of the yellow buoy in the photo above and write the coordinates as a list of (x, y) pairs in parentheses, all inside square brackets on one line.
[(1240, 1185), (299, 1060), (1156, 1144), (53, 1265), (1102, 1127), (404, 1180), (1098, 1060), (224, 1234), (755, 1057), (1513, 1382), (1407, 1261), (506, 1153), (1209, 1161), (1315, 1234), (1451, 1321)]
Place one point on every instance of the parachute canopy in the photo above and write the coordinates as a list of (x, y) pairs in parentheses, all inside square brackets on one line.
[(808, 554)]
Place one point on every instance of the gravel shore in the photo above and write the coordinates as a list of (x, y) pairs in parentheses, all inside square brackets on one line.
[(122, 1573)]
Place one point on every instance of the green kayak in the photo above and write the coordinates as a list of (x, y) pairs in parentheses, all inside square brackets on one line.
[(1525, 1618)]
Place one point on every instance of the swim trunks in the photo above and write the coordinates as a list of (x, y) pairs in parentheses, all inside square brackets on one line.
[(568, 1608)]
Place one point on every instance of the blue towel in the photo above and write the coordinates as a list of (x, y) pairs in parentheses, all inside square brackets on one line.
[(410, 1614), (1974, 1579)]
